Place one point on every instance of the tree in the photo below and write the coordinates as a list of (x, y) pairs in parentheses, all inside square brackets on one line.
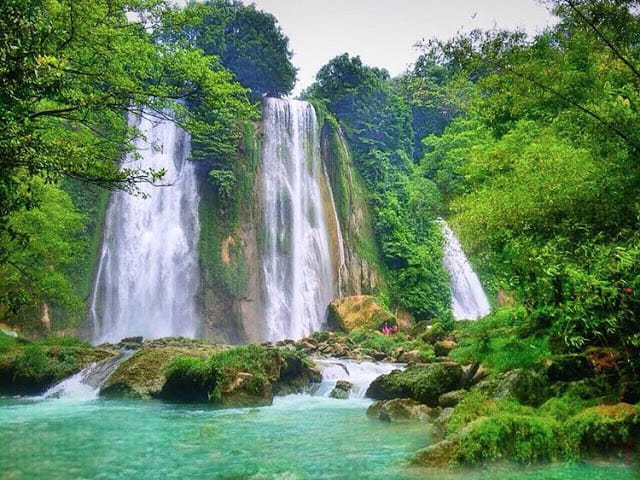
[(248, 42)]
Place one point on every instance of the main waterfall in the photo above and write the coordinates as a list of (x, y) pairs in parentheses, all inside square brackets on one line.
[(297, 267), (468, 301), (147, 276)]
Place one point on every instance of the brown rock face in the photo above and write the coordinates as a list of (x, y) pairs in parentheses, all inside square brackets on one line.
[(361, 311)]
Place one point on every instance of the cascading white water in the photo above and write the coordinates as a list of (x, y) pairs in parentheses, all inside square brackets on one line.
[(359, 374), (85, 385), (297, 268), (468, 301), (147, 277)]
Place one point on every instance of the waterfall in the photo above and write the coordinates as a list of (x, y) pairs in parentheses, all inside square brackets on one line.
[(469, 301), (297, 268), (147, 276), (85, 385), (359, 374)]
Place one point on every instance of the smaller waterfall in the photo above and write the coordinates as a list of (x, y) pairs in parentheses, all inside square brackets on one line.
[(359, 374), (297, 267), (468, 302), (85, 385)]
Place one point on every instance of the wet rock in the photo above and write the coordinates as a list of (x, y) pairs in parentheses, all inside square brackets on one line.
[(412, 356), (438, 455), (360, 311), (144, 374), (246, 390), (527, 386), (423, 383), (341, 390), (379, 355), (400, 410), (440, 422)]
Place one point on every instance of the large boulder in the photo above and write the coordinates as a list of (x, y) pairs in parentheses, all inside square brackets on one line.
[(438, 455), (361, 311), (144, 374), (423, 383), (199, 371)]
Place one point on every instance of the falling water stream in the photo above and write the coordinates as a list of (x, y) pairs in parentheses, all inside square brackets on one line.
[(468, 301), (297, 267), (147, 276)]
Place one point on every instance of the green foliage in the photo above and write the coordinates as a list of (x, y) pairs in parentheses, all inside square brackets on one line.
[(7, 342), (44, 244), (497, 342), (247, 41), (37, 366), (539, 168), (64, 341), (377, 124), (371, 342)]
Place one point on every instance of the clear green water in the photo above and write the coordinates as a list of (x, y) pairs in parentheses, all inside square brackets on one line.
[(299, 437)]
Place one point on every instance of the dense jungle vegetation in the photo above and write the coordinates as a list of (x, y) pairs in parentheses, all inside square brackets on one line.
[(529, 147)]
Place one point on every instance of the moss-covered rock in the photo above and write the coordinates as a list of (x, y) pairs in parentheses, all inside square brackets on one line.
[(438, 455), (604, 429), (361, 311), (199, 371), (423, 383), (341, 390), (400, 410), (451, 399), (143, 375), (32, 368)]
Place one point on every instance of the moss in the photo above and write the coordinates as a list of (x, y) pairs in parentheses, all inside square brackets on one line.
[(371, 342), (33, 368), (237, 376), (7, 342), (602, 429), (220, 214), (476, 405), (92, 202), (350, 196), (144, 374), (507, 436), (423, 383)]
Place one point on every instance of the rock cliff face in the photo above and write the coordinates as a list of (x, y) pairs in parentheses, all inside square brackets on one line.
[(358, 272), (232, 238), (231, 289)]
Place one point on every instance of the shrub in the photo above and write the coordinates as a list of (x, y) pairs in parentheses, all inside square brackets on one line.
[(7, 342), (64, 341)]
